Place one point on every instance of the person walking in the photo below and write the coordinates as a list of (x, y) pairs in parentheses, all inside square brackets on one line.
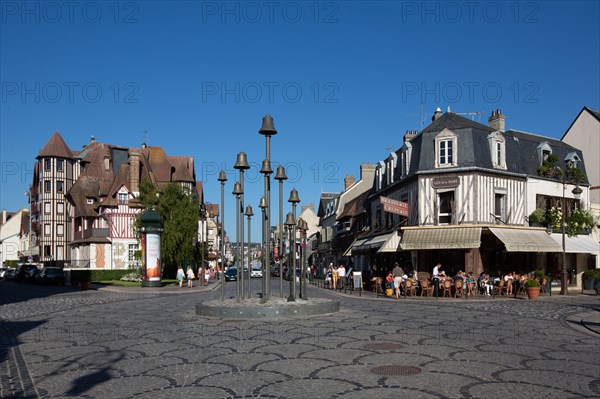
[(180, 276), (190, 276), (397, 272)]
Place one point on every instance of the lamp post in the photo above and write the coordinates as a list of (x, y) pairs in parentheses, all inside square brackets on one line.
[(249, 214), (289, 224), (237, 191), (241, 164), (266, 170), (263, 207), (280, 177), (564, 290), (267, 129), (203, 219), (294, 199), (303, 226), (222, 179)]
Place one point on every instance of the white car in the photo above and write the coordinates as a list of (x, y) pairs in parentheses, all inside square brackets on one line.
[(256, 271)]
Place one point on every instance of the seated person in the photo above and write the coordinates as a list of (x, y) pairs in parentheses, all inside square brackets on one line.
[(389, 281)]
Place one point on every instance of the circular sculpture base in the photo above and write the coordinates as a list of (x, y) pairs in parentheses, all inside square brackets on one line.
[(151, 283), (274, 308)]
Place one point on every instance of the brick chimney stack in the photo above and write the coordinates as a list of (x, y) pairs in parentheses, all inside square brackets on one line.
[(309, 206), (436, 114), (348, 181), (497, 120), (134, 171)]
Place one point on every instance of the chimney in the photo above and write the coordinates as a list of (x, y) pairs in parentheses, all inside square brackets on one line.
[(309, 206), (409, 135), (134, 172), (436, 114), (348, 181), (497, 119), (367, 171), (92, 139), (3, 216)]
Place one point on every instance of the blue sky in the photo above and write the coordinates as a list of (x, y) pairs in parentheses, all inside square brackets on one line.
[(343, 80)]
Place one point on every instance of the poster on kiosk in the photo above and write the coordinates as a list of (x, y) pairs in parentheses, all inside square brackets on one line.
[(152, 257)]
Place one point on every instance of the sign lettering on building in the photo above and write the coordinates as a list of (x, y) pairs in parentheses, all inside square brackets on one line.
[(394, 206), (445, 182)]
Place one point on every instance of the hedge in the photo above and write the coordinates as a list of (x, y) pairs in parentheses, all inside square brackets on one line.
[(98, 274)]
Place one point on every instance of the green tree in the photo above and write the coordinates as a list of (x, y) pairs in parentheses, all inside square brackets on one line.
[(179, 211)]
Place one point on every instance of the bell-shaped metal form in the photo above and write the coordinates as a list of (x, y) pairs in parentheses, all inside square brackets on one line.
[(289, 220), (266, 167), (280, 175), (249, 212), (237, 189), (300, 223), (294, 196), (267, 128), (222, 176), (241, 161), (263, 203)]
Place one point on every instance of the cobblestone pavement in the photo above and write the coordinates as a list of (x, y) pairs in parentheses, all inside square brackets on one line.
[(58, 342)]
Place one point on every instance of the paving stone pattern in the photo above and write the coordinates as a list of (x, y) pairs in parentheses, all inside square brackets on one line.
[(100, 344)]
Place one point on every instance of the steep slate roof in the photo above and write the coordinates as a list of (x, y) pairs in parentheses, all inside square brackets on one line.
[(159, 164), (473, 150), (184, 168), (55, 147), (324, 200), (355, 206), (84, 186)]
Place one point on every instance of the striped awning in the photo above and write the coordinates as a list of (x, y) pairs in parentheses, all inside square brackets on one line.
[(578, 244), (370, 243), (392, 244), (441, 238), (526, 240)]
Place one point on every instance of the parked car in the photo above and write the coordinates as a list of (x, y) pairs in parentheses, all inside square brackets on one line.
[(24, 271), (256, 271), (51, 275), (3, 272), (9, 274), (231, 274)]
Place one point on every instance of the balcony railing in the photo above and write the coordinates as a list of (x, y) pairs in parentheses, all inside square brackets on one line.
[(89, 233)]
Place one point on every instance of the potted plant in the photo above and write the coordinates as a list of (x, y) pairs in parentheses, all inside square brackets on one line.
[(532, 287), (537, 217)]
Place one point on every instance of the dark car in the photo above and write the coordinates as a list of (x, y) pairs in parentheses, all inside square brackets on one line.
[(51, 275), (25, 272), (231, 274), (9, 274)]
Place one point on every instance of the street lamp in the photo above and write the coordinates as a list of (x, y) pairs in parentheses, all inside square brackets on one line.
[(294, 199), (241, 164), (303, 226), (280, 176), (249, 214), (564, 290), (222, 178), (267, 129), (237, 191), (263, 207), (204, 221), (289, 224)]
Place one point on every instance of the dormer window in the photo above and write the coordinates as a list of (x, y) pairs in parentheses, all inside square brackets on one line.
[(544, 151), (445, 149), (497, 149), (123, 198)]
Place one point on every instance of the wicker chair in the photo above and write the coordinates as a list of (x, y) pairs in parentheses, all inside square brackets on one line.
[(459, 290), (447, 288), (409, 288), (426, 288)]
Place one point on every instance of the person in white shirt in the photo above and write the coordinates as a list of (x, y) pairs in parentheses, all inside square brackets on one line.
[(341, 274)]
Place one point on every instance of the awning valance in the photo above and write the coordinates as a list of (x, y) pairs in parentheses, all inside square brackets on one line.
[(441, 238), (578, 244), (526, 240), (392, 244), (369, 243)]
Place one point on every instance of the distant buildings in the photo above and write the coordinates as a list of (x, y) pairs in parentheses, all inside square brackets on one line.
[(84, 202)]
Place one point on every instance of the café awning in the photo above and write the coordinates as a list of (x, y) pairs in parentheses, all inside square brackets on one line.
[(371, 242), (392, 244), (441, 238), (578, 244), (525, 239)]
